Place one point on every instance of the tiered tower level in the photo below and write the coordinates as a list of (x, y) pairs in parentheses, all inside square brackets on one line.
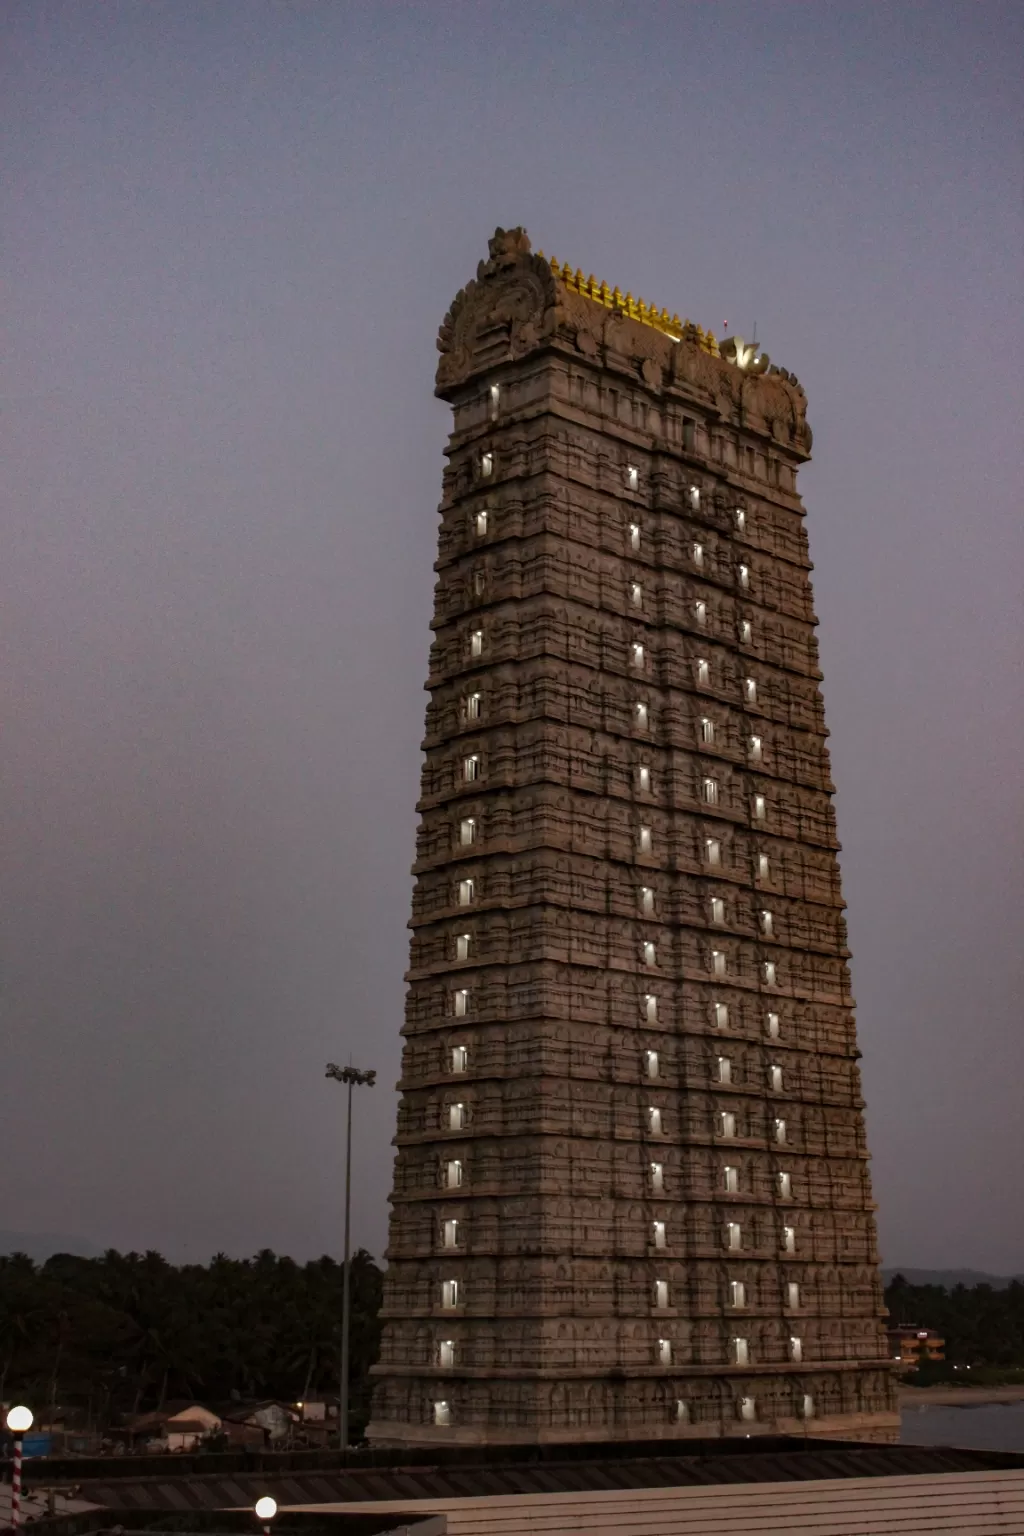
[(631, 1194)]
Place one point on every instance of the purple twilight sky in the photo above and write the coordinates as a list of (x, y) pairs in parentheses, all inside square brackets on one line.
[(230, 232)]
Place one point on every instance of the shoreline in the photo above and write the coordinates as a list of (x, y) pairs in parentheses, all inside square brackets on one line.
[(959, 1397)]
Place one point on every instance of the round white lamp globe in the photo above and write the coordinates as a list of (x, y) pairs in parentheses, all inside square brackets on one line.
[(19, 1420), (266, 1508)]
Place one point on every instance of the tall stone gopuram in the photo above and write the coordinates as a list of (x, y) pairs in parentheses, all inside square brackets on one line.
[(631, 1194)]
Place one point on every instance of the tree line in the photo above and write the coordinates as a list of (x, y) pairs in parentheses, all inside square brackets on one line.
[(981, 1324), (102, 1339)]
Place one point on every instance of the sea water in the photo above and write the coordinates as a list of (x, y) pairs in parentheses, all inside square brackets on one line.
[(978, 1426)]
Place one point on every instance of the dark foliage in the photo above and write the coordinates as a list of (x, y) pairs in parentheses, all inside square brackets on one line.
[(128, 1332), (982, 1325)]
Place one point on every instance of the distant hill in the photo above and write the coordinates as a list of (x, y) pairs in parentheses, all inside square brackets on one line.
[(40, 1245), (947, 1277)]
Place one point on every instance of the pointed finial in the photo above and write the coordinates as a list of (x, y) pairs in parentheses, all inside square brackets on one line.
[(555, 268), (617, 296), (605, 296), (579, 280), (567, 273), (592, 286)]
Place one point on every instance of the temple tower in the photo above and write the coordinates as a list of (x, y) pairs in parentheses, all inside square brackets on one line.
[(631, 1195)]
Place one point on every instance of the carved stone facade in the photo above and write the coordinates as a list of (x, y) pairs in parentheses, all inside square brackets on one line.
[(631, 1195)]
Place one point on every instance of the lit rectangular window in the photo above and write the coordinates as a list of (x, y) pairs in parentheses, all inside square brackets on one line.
[(461, 1002), (664, 1352), (741, 519), (654, 1125), (480, 522), (645, 839), (643, 776), (449, 1294), (698, 556), (707, 730), (451, 1233), (775, 1079), (718, 962), (453, 1174), (648, 953), (709, 791), (731, 1180), (768, 971), (632, 478), (476, 642), (471, 706), (658, 1233), (462, 942), (495, 399), (744, 576), (442, 1412), (657, 1176), (746, 632), (636, 594), (641, 716), (789, 1239), (785, 1186), (793, 1296), (724, 1065), (467, 890), (780, 1132), (759, 807), (755, 749), (637, 654), (650, 1063), (713, 851), (682, 1411), (733, 1236), (727, 1124), (721, 1015), (700, 613), (646, 900), (750, 690), (459, 1058), (748, 1409), (740, 1352), (651, 1011), (634, 536), (717, 909), (796, 1349), (456, 1117), (661, 1293), (479, 582), (487, 465), (470, 768), (446, 1353), (703, 671), (737, 1293), (694, 494), (467, 831), (762, 866), (767, 922), (807, 1406), (771, 1021)]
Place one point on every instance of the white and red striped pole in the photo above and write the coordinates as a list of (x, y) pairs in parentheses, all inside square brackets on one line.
[(19, 1420)]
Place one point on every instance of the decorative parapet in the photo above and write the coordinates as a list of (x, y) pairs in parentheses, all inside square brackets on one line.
[(521, 299)]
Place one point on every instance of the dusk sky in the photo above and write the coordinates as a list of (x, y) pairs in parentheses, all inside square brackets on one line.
[(230, 231)]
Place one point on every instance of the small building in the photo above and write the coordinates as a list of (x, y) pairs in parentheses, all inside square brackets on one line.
[(187, 1429), (910, 1345)]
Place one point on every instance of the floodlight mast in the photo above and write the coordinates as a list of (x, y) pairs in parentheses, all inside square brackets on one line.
[(350, 1076)]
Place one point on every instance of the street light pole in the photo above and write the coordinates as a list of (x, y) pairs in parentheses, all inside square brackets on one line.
[(350, 1076), (19, 1421)]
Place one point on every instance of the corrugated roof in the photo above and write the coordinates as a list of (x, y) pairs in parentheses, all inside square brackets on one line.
[(353, 1485)]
